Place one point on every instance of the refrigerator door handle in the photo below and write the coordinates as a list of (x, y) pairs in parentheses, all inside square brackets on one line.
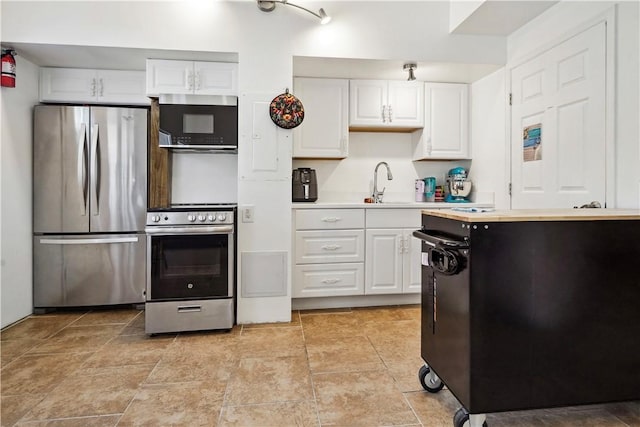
[(95, 172), (82, 167), (46, 241)]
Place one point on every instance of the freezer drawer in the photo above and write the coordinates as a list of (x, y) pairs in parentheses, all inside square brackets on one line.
[(88, 270)]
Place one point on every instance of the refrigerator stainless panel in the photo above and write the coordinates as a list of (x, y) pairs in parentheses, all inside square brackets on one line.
[(118, 165), (88, 270), (60, 169)]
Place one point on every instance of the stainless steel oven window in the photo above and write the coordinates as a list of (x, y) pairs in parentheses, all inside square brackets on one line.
[(188, 266)]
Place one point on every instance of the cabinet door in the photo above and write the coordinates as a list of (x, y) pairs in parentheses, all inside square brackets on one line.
[(67, 85), (122, 87), (215, 78), (412, 274), (445, 133), (383, 261), (367, 99), (405, 104), (167, 76), (324, 133)]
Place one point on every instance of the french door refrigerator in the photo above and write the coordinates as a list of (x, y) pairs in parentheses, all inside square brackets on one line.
[(89, 205)]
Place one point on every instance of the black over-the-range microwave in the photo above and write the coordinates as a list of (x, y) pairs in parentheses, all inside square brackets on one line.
[(212, 126)]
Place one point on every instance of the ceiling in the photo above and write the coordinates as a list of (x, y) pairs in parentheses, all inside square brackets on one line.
[(501, 17), (100, 57)]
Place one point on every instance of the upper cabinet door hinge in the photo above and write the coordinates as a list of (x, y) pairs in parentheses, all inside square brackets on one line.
[(509, 188), (510, 99)]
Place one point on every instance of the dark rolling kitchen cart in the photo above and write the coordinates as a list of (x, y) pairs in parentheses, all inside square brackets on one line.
[(530, 309)]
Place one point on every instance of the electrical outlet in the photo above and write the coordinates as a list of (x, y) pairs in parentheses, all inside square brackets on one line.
[(247, 213)]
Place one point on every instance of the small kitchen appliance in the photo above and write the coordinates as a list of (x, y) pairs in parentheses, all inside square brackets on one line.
[(430, 189), (304, 185), (458, 186), (419, 190)]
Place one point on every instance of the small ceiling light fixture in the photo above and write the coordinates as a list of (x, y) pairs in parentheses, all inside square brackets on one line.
[(269, 6), (410, 67)]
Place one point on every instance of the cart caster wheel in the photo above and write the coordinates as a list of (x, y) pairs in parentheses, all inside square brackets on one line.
[(461, 419), (429, 380)]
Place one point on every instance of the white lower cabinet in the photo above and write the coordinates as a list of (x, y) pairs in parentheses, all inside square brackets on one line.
[(393, 261), (392, 254), (346, 252), (322, 280), (328, 252)]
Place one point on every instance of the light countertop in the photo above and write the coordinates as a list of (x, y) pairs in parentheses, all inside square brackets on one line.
[(537, 215), (383, 205)]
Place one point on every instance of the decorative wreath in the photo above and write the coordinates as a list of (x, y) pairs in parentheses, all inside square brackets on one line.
[(286, 110)]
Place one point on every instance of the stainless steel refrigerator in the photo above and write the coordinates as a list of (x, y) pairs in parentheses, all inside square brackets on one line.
[(89, 205)]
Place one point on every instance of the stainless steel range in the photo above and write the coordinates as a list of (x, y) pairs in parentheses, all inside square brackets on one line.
[(190, 268)]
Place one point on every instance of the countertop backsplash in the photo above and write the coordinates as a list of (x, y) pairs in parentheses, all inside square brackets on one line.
[(351, 179)]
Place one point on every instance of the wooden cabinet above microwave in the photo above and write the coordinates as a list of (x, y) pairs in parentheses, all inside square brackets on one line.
[(191, 77)]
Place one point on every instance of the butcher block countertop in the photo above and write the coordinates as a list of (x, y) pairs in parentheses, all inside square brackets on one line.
[(537, 215)]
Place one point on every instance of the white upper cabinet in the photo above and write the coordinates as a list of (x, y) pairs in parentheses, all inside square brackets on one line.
[(446, 125), (191, 77), (386, 104), (324, 132), (93, 86)]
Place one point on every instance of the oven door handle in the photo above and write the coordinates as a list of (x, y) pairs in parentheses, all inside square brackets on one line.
[(170, 231)]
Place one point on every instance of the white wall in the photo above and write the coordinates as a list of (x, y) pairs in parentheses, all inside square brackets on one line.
[(461, 10), (490, 168), (554, 25), (351, 179), (266, 44), (199, 177), (16, 189)]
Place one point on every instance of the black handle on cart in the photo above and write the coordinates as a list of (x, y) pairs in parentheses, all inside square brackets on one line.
[(437, 240)]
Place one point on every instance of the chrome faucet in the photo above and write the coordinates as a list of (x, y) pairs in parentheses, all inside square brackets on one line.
[(377, 195)]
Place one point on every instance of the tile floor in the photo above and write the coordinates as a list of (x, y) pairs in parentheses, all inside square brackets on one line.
[(338, 367)]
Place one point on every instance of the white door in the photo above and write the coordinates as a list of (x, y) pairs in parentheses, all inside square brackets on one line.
[(406, 104), (383, 261), (558, 125), (367, 102), (412, 276), (446, 120), (324, 132), (122, 87), (67, 85), (169, 77), (216, 78)]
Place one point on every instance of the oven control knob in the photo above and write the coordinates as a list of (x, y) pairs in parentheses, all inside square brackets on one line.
[(222, 217), (155, 218), (191, 217), (211, 218), (201, 218)]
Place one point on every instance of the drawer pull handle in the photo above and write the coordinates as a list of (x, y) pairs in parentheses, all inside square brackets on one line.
[(331, 219), (189, 308), (330, 281), (331, 247)]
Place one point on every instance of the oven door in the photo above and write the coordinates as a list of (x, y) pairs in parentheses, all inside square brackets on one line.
[(189, 263)]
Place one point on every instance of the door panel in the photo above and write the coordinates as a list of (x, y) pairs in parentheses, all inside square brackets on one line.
[(119, 177), (561, 91), (383, 261), (60, 169)]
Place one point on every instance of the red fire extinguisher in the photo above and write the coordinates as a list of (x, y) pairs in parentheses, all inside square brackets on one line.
[(8, 68)]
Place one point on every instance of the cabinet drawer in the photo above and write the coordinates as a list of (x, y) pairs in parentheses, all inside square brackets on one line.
[(328, 280), (314, 247), (329, 219), (393, 218)]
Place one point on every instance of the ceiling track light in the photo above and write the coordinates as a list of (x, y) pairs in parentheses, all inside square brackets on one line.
[(270, 5), (410, 68)]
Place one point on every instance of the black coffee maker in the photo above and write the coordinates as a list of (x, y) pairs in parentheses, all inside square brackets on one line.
[(304, 186)]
